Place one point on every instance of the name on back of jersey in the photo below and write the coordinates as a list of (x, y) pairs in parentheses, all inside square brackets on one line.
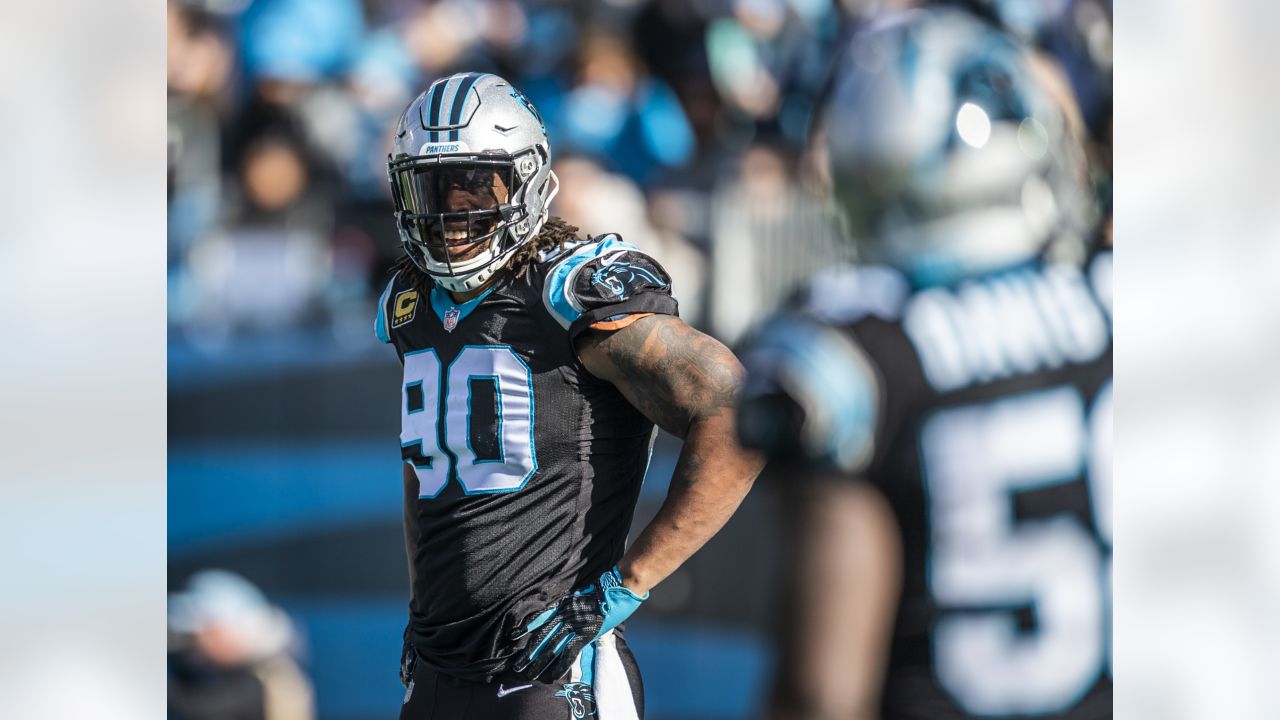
[(1007, 325)]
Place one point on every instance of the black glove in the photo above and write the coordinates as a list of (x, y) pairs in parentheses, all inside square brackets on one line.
[(549, 643)]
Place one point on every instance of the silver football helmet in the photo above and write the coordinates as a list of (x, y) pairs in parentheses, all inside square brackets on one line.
[(946, 156), (470, 171)]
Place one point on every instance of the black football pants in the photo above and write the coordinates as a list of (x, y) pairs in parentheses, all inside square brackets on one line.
[(433, 696)]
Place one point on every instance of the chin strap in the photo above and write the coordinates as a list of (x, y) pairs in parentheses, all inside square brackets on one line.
[(464, 283), (551, 195)]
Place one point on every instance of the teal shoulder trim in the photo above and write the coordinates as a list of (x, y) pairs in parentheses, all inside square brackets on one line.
[(442, 302), (556, 296), (380, 319), (826, 370)]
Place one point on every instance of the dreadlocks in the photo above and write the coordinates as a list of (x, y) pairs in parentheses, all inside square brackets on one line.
[(555, 232)]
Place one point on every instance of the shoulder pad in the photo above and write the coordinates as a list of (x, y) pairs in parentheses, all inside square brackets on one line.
[(602, 278), (380, 327), (827, 377)]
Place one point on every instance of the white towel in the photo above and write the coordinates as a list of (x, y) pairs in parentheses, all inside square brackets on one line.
[(611, 686)]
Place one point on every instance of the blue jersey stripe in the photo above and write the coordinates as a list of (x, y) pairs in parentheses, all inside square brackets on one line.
[(442, 302), (556, 294), (380, 320)]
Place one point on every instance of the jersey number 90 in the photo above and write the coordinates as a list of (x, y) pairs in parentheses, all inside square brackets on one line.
[(438, 449)]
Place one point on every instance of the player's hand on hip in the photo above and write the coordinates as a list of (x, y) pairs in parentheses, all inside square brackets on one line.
[(549, 643)]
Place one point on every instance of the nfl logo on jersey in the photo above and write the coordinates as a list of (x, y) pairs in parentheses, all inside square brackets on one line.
[(451, 319)]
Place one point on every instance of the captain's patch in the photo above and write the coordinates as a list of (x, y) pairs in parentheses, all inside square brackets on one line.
[(406, 305)]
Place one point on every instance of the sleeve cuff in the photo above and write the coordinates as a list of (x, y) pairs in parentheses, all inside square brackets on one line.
[(647, 304)]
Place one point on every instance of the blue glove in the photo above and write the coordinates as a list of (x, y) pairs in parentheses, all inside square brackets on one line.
[(549, 643)]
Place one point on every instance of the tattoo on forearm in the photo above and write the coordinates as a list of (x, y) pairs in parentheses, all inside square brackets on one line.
[(672, 373), (688, 384)]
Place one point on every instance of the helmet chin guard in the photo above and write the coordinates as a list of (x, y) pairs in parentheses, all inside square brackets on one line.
[(470, 165)]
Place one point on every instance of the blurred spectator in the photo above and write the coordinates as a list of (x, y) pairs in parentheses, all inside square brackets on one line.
[(670, 36), (767, 235), (268, 266), (230, 654), (768, 58), (439, 35), (382, 81), (616, 111), (295, 55), (200, 60), (199, 54), (301, 41)]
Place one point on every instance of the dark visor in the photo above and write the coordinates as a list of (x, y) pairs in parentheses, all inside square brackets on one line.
[(472, 194), (438, 188)]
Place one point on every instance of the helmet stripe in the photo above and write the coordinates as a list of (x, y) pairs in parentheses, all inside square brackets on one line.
[(433, 120), (464, 91), (446, 98)]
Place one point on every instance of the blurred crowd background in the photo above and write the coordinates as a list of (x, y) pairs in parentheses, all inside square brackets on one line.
[(679, 124), (84, 523)]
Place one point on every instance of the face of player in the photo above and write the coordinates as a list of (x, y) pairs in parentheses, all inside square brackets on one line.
[(466, 191)]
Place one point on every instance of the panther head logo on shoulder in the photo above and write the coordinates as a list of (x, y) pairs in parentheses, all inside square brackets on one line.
[(617, 277)]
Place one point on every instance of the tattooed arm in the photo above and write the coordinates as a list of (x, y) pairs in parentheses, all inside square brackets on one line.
[(687, 383)]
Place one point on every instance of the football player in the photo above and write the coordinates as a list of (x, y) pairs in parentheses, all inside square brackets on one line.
[(942, 412), (536, 365)]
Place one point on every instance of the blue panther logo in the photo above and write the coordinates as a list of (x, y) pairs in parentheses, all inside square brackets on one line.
[(528, 106), (582, 701), (618, 276)]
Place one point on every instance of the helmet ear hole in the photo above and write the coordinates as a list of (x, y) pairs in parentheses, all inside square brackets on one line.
[(525, 167)]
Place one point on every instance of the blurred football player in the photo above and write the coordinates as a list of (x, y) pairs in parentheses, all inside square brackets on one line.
[(536, 365), (942, 413)]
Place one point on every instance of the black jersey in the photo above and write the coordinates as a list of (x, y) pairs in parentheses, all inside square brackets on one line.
[(982, 412), (529, 467)]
